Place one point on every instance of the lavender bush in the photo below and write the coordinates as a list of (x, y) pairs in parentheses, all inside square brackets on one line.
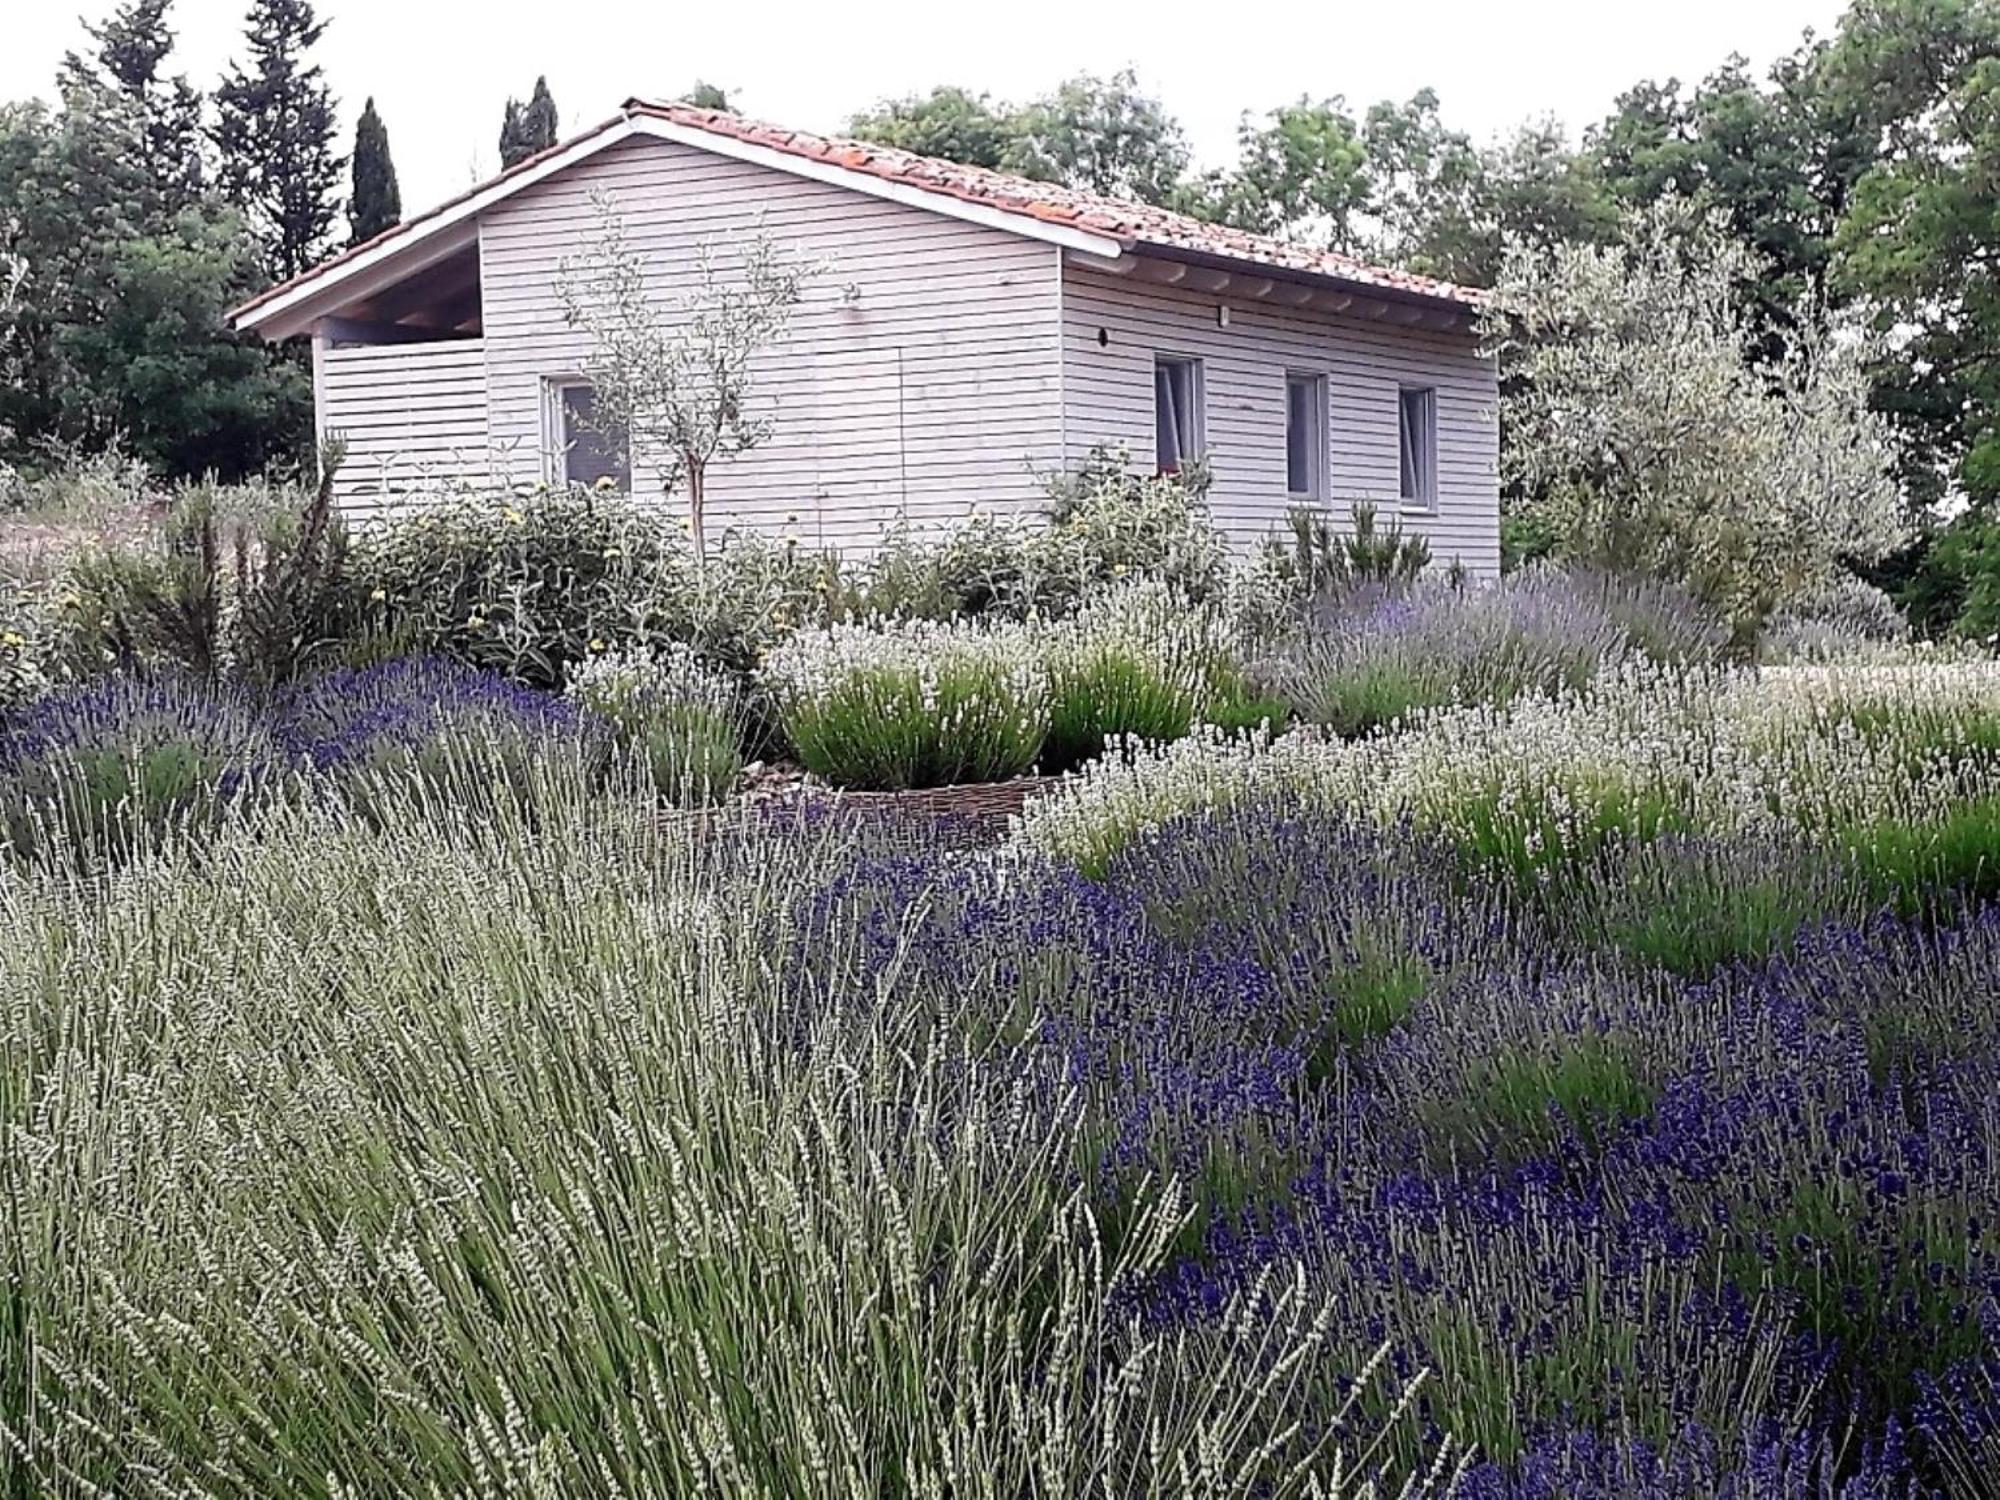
[(1141, 663), (1376, 655), (677, 716), (888, 705), (465, 735), (98, 773), (490, 1158), (1590, 1096)]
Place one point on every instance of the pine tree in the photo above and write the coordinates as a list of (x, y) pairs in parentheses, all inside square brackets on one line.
[(541, 127), (131, 46), (275, 132), (377, 203), (511, 148)]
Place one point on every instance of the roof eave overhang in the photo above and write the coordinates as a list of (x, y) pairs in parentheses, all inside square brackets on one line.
[(293, 306), (1441, 308)]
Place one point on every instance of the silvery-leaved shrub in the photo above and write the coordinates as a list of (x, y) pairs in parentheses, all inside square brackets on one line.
[(978, 564), (889, 705), (96, 774), (522, 584), (676, 715), (1107, 521), (1660, 619), (1374, 654)]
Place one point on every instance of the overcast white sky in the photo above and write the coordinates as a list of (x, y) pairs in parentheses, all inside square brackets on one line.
[(440, 72)]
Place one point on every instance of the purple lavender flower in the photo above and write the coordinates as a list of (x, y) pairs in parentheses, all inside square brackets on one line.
[(107, 768)]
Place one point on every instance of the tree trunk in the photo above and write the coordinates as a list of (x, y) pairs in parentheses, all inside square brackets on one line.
[(695, 476)]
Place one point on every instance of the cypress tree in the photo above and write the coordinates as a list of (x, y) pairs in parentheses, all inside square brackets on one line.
[(511, 149), (541, 127), (377, 202), (275, 131)]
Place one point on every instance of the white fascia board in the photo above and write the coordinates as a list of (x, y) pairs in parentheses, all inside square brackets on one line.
[(935, 200), (260, 317)]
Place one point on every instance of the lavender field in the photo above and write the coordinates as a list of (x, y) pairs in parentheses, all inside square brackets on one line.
[(1592, 1094)]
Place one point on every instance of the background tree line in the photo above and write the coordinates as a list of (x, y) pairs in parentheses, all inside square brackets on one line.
[(139, 208), (1857, 174)]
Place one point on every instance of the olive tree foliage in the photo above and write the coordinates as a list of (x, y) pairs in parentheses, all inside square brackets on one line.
[(1639, 436), (675, 372)]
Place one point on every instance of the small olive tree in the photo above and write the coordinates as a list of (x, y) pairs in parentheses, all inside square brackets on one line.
[(674, 373), (1638, 434)]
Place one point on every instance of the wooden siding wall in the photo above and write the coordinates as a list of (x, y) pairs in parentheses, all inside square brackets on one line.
[(1108, 398), (413, 417), (921, 374)]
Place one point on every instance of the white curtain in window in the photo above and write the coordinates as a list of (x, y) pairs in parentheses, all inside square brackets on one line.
[(1176, 421), (1419, 445)]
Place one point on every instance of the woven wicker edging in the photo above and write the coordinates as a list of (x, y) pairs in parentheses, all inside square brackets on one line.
[(980, 800)]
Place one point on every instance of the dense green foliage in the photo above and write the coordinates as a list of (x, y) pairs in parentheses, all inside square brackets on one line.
[(377, 201), (274, 135), (129, 233), (531, 127)]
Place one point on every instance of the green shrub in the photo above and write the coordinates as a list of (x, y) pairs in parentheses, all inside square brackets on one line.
[(246, 582), (79, 487), (1691, 906), (980, 565), (677, 718), (1912, 862), (1514, 1104), (894, 705), (1954, 587), (148, 603), (1318, 562), (296, 605)]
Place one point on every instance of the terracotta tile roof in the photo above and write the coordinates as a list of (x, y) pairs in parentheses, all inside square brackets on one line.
[(1137, 225)]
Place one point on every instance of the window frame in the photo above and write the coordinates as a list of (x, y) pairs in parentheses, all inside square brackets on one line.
[(557, 440), (1425, 500), (1198, 394), (1317, 454)]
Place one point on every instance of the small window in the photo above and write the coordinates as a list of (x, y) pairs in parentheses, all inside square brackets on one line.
[(582, 451), (1177, 419), (1418, 440), (1305, 436)]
